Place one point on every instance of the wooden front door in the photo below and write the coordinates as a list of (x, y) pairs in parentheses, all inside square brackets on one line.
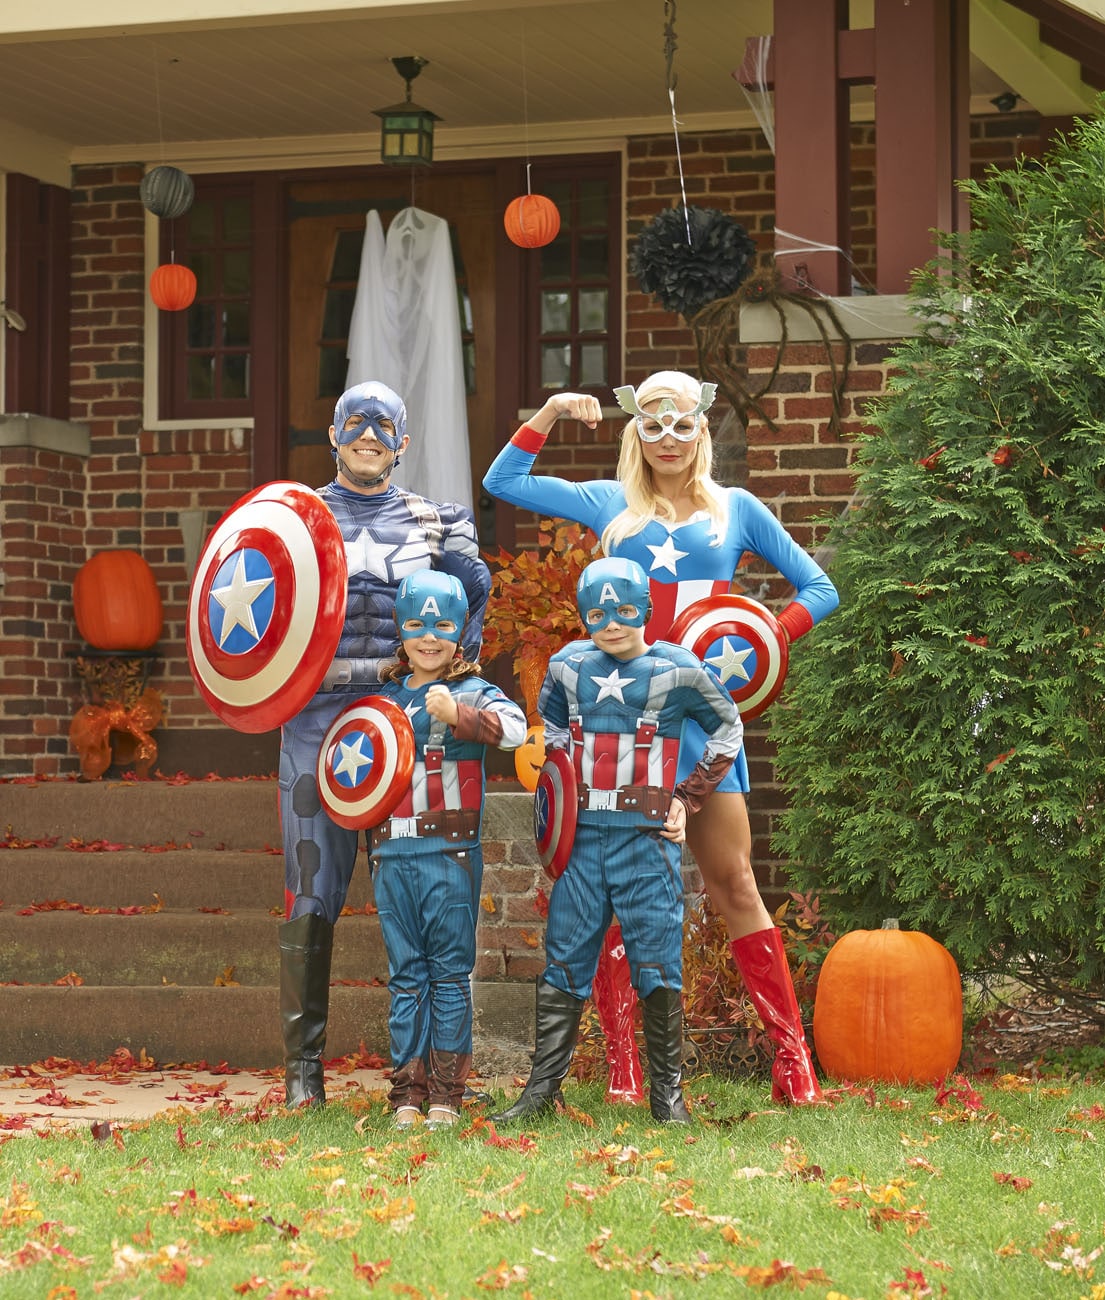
[(326, 222)]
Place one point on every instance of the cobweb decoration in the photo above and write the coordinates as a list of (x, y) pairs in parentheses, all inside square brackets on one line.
[(753, 80)]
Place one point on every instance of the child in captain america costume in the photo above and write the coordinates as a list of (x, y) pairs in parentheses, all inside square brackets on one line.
[(427, 864), (688, 532), (388, 533), (618, 706)]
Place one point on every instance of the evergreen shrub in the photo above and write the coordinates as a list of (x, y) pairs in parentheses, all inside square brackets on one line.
[(943, 733)]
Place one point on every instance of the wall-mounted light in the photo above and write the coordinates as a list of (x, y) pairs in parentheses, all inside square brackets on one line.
[(407, 129), (1006, 102)]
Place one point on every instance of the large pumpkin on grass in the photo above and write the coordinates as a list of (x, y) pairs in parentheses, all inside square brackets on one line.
[(889, 1007), (116, 602)]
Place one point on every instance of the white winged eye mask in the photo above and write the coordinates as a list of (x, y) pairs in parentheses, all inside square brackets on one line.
[(667, 417)]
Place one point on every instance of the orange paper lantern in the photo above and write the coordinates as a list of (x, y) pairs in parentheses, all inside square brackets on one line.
[(531, 221), (116, 602), (889, 1007), (173, 287)]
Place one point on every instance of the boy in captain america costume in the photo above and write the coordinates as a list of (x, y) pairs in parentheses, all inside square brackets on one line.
[(617, 706), (388, 533), (427, 864)]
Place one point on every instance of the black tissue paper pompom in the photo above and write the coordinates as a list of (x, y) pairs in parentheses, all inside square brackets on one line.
[(686, 276)]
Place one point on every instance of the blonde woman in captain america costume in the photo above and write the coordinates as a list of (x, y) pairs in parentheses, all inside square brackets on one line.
[(665, 511), (388, 533), (427, 864)]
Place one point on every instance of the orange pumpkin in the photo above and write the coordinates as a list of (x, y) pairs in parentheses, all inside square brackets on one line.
[(116, 602), (889, 1007), (173, 287), (531, 221), (529, 757)]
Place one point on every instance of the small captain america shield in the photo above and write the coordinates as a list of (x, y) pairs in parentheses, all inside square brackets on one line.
[(365, 762), (555, 808), (742, 641), (267, 605)]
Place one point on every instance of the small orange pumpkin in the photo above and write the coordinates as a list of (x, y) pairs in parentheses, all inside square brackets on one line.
[(889, 1007), (116, 602), (173, 287), (531, 221), (529, 757)]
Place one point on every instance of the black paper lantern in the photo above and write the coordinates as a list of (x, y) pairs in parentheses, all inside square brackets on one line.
[(685, 276), (167, 191)]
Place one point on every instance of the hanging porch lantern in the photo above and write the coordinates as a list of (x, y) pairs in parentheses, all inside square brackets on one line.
[(407, 129)]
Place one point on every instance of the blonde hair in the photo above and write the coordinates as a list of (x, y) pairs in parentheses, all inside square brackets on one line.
[(642, 502)]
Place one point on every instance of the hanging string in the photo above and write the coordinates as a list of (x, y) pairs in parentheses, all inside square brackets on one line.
[(525, 108), (669, 59), (161, 141)]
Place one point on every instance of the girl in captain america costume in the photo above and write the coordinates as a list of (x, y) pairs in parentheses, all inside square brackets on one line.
[(688, 532), (427, 863), (388, 533)]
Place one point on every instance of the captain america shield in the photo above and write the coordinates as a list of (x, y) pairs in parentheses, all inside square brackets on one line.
[(742, 641), (365, 762), (555, 808), (266, 606)]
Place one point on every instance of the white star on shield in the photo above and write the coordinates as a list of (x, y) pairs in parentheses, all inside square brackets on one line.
[(352, 759), (612, 686), (730, 663), (666, 556), (237, 599)]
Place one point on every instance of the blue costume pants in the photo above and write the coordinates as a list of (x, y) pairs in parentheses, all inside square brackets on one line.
[(630, 872), (427, 900)]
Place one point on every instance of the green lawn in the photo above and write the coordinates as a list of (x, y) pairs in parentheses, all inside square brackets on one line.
[(888, 1192)]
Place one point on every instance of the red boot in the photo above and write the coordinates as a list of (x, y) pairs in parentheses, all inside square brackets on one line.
[(762, 962), (615, 1002)]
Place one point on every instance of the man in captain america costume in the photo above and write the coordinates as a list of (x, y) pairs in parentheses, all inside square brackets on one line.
[(388, 533), (618, 706), (427, 864)]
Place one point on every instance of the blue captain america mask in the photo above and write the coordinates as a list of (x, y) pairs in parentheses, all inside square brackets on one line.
[(613, 591), (376, 402), (431, 601)]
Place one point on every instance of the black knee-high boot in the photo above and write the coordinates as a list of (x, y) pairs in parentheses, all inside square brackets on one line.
[(306, 947), (558, 1016), (662, 1021)]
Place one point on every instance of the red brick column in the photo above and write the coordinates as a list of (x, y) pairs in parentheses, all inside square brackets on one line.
[(42, 519)]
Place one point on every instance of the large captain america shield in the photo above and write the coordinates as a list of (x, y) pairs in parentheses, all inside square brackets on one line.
[(742, 641), (365, 762), (555, 809), (266, 606)]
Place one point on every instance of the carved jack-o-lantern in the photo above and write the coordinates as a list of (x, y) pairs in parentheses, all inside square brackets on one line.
[(529, 757)]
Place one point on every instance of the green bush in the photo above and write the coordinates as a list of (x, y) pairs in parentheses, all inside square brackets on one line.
[(942, 733)]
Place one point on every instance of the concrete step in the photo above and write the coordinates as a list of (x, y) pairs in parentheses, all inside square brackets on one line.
[(211, 814), (170, 947), (214, 815), (181, 878), (237, 1025)]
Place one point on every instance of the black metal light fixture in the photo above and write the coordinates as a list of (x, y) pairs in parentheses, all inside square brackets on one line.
[(407, 129), (1006, 102)]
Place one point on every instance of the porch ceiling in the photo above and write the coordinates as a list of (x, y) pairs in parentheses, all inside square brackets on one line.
[(239, 78)]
